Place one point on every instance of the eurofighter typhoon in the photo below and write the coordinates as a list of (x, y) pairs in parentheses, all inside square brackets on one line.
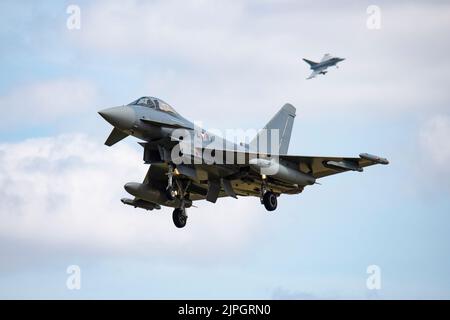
[(321, 67), (189, 164)]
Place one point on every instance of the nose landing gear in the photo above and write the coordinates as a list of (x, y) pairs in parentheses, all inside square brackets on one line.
[(171, 193), (179, 215)]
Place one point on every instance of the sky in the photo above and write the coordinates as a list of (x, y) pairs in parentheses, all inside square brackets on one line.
[(230, 65)]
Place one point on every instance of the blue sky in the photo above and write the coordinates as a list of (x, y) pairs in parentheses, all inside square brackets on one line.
[(229, 64)]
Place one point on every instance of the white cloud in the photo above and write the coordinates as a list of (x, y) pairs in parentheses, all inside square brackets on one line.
[(63, 193), (434, 140), (47, 101)]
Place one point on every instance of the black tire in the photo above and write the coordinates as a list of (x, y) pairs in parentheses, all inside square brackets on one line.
[(270, 201), (170, 193), (179, 218)]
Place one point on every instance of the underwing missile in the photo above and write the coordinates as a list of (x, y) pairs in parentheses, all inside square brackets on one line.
[(140, 203)]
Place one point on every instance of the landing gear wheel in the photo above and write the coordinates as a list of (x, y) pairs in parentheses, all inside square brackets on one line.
[(270, 201), (171, 193), (179, 217)]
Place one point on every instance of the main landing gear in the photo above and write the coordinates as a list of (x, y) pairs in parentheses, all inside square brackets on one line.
[(268, 198), (270, 201), (179, 215)]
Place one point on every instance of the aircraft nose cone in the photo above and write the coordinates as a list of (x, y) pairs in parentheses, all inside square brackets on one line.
[(119, 117)]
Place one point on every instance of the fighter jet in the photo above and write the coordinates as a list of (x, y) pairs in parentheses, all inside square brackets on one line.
[(181, 172), (321, 67)]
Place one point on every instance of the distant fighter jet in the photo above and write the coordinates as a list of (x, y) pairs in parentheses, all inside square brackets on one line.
[(252, 172), (321, 67)]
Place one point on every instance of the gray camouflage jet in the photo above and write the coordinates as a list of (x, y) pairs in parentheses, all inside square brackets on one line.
[(321, 67), (182, 172)]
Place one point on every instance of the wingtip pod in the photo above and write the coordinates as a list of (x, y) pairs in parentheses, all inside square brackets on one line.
[(374, 158)]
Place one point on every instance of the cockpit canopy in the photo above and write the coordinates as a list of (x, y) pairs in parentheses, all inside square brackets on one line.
[(154, 103)]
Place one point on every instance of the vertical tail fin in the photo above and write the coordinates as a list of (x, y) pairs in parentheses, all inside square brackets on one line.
[(282, 121)]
